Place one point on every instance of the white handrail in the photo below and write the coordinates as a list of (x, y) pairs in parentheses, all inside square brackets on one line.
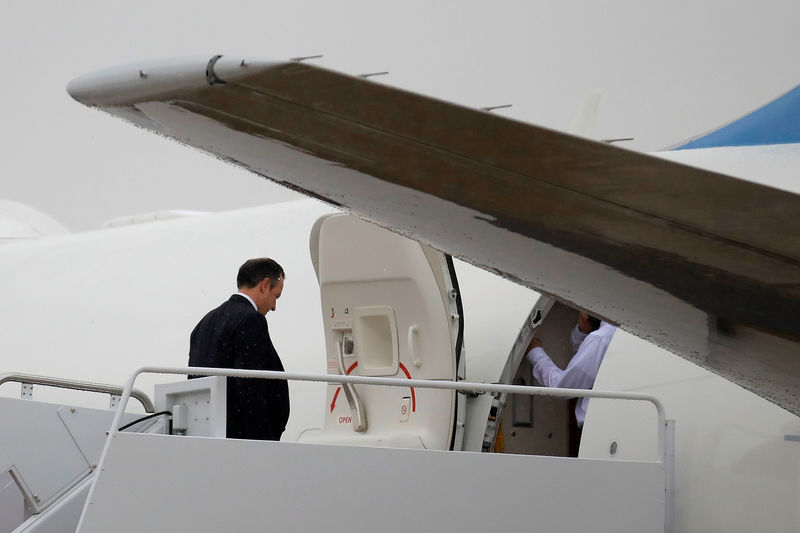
[(73, 384), (393, 382)]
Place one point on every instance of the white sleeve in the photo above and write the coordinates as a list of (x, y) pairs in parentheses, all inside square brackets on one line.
[(580, 372)]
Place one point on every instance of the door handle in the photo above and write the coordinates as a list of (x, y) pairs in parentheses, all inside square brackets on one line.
[(353, 399), (412, 345)]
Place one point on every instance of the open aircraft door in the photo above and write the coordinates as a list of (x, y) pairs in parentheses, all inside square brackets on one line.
[(391, 308)]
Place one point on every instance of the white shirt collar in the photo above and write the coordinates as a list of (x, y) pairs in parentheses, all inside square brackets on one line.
[(248, 299)]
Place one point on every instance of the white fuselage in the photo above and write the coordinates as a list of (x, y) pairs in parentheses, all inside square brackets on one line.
[(94, 306), (116, 299)]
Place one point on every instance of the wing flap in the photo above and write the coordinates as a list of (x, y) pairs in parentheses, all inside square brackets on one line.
[(605, 172)]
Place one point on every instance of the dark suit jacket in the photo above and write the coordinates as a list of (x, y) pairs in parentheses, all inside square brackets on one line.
[(235, 335)]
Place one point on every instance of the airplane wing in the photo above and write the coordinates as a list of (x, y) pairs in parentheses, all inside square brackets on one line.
[(703, 264)]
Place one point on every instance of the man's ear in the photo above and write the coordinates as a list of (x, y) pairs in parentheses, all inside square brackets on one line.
[(265, 284)]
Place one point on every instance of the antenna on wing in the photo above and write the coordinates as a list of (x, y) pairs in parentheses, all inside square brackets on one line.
[(493, 107), (371, 74), (609, 141), (303, 58)]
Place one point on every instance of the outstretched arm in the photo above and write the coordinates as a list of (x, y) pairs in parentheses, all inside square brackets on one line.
[(580, 372)]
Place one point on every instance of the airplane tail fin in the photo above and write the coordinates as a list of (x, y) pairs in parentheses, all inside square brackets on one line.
[(777, 122)]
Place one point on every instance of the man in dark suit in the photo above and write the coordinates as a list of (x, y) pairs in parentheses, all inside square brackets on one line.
[(235, 335)]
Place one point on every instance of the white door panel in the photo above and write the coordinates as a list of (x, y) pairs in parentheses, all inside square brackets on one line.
[(388, 309)]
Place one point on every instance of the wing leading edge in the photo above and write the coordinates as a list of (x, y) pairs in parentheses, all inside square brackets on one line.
[(700, 263)]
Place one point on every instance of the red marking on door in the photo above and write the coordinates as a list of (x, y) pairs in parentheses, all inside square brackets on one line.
[(339, 388), (402, 367), (413, 396), (333, 403)]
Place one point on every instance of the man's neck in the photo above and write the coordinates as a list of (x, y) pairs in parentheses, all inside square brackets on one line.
[(249, 299)]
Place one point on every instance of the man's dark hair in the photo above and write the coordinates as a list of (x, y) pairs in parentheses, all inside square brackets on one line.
[(594, 322), (254, 271)]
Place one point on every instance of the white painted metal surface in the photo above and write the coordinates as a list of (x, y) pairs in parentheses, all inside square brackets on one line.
[(233, 492), (156, 281), (12, 503), (184, 484), (63, 515), (660, 418), (204, 402), (147, 218), (49, 453), (105, 341), (731, 447), (773, 165), (379, 291), (20, 222), (39, 446), (50, 447), (752, 470)]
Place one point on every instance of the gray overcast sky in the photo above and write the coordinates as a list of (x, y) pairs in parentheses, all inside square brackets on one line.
[(666, 71)]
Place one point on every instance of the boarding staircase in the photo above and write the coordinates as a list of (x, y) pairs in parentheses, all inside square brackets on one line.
[(49, 452), (185, 477)]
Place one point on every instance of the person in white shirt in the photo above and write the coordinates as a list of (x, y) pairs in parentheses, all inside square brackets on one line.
[(589, 339)]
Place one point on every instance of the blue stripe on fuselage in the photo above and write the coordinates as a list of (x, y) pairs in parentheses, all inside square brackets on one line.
[(778, 122)]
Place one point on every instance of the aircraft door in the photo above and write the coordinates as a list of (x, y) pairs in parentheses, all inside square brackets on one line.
[(536, 425), (390, 309)]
